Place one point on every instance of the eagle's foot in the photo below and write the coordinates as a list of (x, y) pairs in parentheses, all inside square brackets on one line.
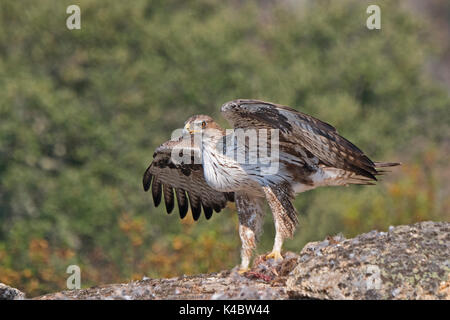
[(242, 271), (275, 255)]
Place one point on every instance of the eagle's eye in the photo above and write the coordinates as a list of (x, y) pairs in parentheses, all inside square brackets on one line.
[(203, 124)]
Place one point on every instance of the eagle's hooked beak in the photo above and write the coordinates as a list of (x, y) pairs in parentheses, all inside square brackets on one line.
[(187, 129)]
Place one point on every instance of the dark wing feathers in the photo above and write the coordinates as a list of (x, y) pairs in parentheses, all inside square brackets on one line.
[(168, 198), (301, 130), (156, 192), (169, 178), (183, 205), (147, 179), (196, 206), (208, 211)]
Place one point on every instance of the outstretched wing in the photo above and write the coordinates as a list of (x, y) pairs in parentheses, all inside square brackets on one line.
[(303, 134), (172, 177)]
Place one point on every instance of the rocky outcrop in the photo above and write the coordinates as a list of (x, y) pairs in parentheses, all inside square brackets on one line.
[(406, 262), (8, 293)]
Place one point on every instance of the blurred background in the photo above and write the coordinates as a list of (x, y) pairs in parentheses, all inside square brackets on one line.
[(81, 112)]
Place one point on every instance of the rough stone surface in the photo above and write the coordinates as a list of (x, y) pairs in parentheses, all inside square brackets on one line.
[(407, 262), (8, 293)]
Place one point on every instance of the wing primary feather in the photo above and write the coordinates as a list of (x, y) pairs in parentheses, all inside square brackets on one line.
[(217, 207), (156, 191), (182, 203), (195, 206), (168, 198), (147, 179), (208, 211)]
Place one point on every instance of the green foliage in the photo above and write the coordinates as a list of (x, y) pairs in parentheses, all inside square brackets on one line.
[(81, 112)]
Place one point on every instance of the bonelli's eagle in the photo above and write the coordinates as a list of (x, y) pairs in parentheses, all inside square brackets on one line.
[(273, 153)]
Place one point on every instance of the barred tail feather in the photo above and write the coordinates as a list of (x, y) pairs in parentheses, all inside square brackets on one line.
[(386, 164)]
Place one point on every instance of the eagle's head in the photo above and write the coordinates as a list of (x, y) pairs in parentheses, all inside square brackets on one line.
[(205, 125)]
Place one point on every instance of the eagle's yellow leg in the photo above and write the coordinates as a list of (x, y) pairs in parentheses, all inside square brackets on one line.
[(284, 215), (275, 255)]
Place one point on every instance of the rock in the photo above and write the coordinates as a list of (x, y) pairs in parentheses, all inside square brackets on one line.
[(407, 262), (9, 293), (223, 285)]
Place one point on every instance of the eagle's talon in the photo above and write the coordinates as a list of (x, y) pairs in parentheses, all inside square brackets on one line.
[(275, 255)]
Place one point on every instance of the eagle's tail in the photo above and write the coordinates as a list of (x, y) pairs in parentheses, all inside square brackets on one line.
[(341, 177)]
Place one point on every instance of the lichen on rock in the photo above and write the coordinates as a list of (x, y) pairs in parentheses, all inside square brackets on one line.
[(408, 262)]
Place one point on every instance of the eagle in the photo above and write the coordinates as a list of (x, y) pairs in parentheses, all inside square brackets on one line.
[(272, 153)]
